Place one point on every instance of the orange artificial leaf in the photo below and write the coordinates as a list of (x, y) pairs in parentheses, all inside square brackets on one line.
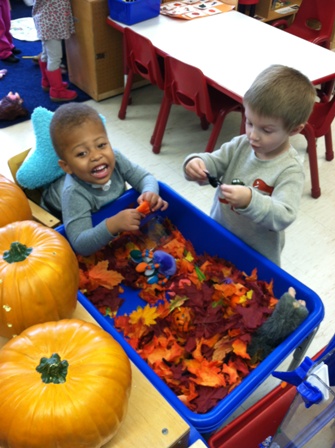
[(234, 332), (189, 394), (208, 342), (240, 349), (100, 275), (147, 315), (253, 276), (273, 302), (231, 373), (150, 293), (185, 266), (207, 372), (161, 348), (175, 248), (144, 208)]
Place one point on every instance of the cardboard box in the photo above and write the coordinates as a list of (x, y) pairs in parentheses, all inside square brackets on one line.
[(95, 51)]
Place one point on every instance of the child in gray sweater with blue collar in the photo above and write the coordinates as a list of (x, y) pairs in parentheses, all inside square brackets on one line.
[(95, 175)]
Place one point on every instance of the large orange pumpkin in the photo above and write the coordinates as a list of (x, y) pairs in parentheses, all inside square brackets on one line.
[(14, 205), (63, 384), (39, 277)]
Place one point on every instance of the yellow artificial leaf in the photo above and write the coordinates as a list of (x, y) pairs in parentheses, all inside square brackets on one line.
[(146, 315)]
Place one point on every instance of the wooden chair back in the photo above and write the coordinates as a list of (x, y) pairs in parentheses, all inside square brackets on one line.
[(39, 214)]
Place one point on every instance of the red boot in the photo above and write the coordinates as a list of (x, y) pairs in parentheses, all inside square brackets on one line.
[(45, 82), (57, 91)]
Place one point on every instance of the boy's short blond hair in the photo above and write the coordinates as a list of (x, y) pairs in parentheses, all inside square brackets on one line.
[(282, 92), (68, 116)]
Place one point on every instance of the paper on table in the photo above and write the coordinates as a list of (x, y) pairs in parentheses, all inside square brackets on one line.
[(191, 9)]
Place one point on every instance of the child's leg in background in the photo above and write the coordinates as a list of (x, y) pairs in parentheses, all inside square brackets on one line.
[(6, 40)]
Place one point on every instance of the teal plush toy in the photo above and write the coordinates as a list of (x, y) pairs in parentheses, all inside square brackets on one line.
[(41, 167)]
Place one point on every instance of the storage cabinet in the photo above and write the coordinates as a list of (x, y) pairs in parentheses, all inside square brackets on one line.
[(95, 52), (267, 9)]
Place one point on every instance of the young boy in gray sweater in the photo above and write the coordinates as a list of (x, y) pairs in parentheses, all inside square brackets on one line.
[(260, 177), (95, 175)]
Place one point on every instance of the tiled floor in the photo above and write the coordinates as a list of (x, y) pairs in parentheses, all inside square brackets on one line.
[(309, 254)]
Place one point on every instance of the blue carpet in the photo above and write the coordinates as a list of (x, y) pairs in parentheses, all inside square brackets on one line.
[(24, 77)]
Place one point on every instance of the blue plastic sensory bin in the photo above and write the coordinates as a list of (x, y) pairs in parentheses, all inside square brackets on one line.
[(207, 236)]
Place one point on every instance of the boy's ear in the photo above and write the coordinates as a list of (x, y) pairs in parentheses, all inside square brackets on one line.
[(297, 129), (65, 167)]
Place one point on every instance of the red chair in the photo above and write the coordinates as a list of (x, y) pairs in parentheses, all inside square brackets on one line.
[(186, 86), (142, 59), (314, 22), (319, 125)]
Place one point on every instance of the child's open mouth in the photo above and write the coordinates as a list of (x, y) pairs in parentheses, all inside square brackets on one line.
[(100, 171)]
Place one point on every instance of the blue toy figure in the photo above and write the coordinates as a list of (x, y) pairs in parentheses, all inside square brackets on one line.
[(157, 265)]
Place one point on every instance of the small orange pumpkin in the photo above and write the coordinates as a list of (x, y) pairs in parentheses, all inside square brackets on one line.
[(14, 205), (63, 384), (39, 276), (182, 319)]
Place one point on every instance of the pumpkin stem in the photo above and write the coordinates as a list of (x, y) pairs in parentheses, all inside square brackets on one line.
[(52, 369), (17, 252)]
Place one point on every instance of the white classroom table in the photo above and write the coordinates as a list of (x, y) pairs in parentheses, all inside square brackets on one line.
[(232, 48)]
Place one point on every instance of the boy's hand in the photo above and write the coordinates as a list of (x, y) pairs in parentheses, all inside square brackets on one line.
[(238, 196), (155, 201), (195, 170), (126, 220)]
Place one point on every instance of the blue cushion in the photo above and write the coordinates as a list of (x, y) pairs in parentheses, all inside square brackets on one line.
[(41, 168), (41, 165)]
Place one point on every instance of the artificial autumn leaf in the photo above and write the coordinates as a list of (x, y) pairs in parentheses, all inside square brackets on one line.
[(83, 281), (100, 275), (240, 348), (231, 372), (175, 248), (147, 315), (189, 395), (253, 276), (185, 266), (222, 348), (207, 373), (203, 342), (177, 302), (144, 208), (162, 348), (201, 276)]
